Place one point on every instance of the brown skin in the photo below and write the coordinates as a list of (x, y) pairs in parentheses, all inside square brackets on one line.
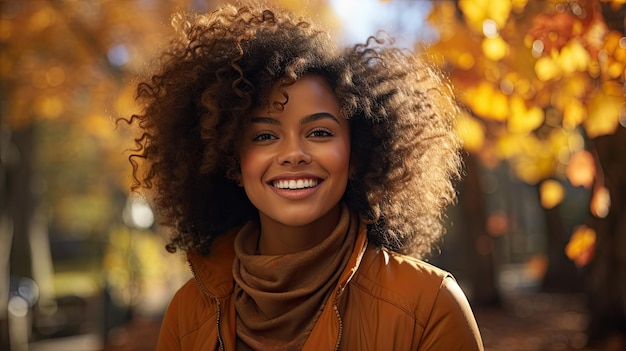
[(307, 140)]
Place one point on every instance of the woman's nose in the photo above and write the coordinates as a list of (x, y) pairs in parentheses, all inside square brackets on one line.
[(293, 153)]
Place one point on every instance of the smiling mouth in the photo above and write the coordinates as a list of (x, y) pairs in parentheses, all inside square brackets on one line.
[(295, 184)]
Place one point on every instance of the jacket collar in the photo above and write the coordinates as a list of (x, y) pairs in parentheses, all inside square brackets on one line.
[(214, 274)]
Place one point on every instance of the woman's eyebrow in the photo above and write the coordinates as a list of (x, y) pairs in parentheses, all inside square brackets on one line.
[(307, 119), (317, 116)]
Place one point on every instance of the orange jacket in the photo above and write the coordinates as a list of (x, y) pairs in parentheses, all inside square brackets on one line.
[(383, 301)]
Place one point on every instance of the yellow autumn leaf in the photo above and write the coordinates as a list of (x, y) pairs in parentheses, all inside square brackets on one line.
[(509, 145), (543, 169), (533, 168), (535, 159), (603, 114), (522, 119), (615, 69), (575, 141), (573, 57), (568, 97), (576, 85), (471, 131), (488, 102), (594, 69), (531, 159), (519, 5), (495, 49), (551, 193), (559, 140), (574, 114), (547, 69), (619, 49), (477, 11)]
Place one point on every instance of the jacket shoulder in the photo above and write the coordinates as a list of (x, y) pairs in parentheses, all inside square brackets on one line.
[(407, 283), (189, 309), (398, 300)]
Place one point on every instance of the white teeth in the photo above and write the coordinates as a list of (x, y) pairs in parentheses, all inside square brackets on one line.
[(295, 184)]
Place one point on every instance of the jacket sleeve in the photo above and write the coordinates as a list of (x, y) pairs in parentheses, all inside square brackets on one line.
[(169, 336), (451, 325)]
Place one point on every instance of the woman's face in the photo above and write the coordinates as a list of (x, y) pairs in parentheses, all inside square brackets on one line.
[(295, 163)]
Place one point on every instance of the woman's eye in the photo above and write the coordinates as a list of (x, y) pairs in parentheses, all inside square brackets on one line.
[(320, 133), (263, 137)]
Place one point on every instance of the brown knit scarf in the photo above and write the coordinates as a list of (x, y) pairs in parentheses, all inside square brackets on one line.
[(279, 298)]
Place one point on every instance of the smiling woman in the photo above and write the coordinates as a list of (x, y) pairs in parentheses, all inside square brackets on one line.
[(307, 141), (304, 182)]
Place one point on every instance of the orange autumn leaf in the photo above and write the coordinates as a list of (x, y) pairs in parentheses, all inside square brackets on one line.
[(581, 246), (600, 202), (581, 169), (553, 30)]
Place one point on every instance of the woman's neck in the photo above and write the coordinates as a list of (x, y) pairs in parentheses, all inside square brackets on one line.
[(279, 239)]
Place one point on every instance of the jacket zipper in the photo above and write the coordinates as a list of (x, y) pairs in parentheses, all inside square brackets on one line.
[(219, 306), (340, 327), (219, 315), (339, 320)]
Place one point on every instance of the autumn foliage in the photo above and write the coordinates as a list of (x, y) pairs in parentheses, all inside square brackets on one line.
[(539, 79)]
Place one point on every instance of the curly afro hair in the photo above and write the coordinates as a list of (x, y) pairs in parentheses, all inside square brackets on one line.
[(400, 107)]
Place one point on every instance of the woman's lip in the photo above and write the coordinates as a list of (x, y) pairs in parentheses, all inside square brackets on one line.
[(294, 184), (295, 194), (294, 177)]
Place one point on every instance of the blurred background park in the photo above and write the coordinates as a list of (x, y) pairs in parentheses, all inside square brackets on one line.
[(537, 240)]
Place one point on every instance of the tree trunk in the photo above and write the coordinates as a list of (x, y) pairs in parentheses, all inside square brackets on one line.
[(21, 202), (562, 274), (607, 272), (474, 215), (16, 214)]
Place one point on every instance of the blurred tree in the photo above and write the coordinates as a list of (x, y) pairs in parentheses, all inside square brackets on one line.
[(544, 87), (66, 69)]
